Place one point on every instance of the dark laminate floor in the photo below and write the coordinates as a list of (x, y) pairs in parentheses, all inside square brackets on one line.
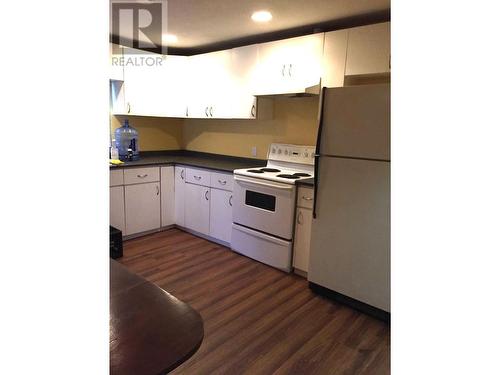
[(258, 320)]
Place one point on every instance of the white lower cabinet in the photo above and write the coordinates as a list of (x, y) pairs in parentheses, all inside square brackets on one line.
[(167, 196), (180, 192), (221, 214), (303, 223), (197, 208), (302, 241), (142, 207), (117, 207)]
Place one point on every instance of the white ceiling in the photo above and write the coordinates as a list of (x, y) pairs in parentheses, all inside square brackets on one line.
[(200, 23)]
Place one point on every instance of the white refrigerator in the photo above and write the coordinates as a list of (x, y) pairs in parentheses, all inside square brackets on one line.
[(350, 241)]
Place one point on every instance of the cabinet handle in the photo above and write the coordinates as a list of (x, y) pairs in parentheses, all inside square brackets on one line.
[(128, 107), (206, 195), (206, 111), (187, 111), (306, 198), (222, 182), (290, 70), (252, 112), (231, 201), (299, 216), (142, 175), (157, 190), (211, 114), (197, 178), (182, 174), (283, 70)]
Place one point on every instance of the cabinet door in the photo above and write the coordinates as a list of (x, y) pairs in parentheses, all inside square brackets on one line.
[(302, 240), (221, 85), (334, 58), (197, 210), (154, 85), (368, 49), (117, 208), (180, 192), (115, 66), (221, 214), (210, 94), (198, 82), (167, 196), (244, 62), (172, 93), (142, 207), (290, 65)]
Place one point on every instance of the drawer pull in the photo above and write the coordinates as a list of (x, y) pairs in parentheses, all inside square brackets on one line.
[(142, 175), (306, 198), (222, 182), (198, 178)]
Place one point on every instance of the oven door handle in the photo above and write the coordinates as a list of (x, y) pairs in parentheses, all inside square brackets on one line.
[(254, 183)]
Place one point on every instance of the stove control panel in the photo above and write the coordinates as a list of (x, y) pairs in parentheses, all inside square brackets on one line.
[(292, 153)]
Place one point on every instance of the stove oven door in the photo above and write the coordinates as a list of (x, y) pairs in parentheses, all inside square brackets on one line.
[(264, 205)]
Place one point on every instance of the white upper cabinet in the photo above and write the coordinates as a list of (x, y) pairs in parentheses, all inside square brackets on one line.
[(334, 58), (244, 62), (115, 67), (210, 85), (369, 50), (289, 65), (154, 84)]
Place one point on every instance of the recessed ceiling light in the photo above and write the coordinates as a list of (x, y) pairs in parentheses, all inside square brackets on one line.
[(169, 38), (262, 16)]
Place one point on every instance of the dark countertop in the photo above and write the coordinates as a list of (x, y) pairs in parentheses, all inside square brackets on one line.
[(306, 182), (217, 162)]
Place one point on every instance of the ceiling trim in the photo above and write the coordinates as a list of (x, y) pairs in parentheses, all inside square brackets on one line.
[(338, 24)]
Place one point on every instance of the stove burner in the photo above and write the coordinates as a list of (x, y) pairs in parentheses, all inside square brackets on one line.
[(289, 176), (270, 170), (255, 171), (301, 174)]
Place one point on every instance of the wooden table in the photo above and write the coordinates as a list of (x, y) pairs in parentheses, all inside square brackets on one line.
[(151, 331)]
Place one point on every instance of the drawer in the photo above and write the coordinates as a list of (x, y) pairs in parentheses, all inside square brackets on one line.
[(116, 177), (305, 197), (198, 176), (141, 175), (222, 181)]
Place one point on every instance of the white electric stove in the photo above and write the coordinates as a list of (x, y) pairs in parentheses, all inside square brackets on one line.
[(264, 204)]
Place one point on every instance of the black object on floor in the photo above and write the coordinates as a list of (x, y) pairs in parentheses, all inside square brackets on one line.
[(115, 243)]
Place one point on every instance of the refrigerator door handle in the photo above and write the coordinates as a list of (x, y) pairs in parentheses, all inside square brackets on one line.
[(318, 149)]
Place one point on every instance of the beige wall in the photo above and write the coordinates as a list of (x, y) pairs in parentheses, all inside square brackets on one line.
[(155, 133), (295, 121)]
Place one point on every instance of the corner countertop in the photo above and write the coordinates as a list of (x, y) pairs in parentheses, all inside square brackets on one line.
[(216, 162)]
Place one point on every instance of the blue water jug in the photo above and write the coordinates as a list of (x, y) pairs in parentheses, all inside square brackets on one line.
[(127, 142)]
